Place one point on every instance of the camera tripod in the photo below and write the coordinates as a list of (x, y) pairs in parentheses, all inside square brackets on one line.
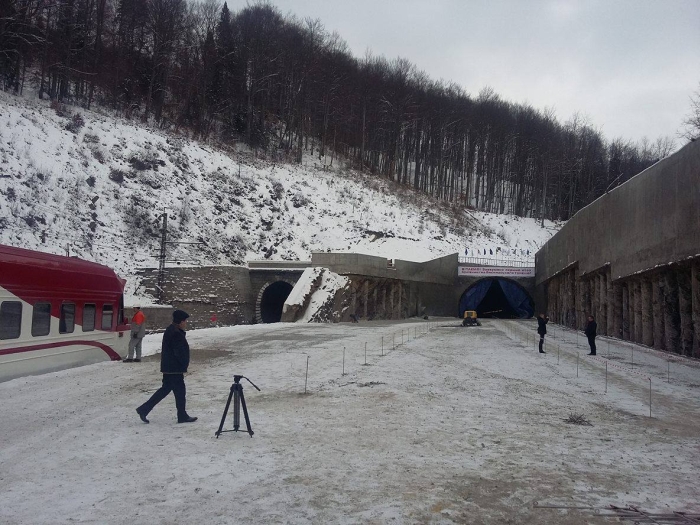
[(238, 401)]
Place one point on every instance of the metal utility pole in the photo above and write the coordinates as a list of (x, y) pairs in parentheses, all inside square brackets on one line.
[(161, 259)]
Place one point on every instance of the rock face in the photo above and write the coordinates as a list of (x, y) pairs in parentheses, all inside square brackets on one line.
[(319, 296)]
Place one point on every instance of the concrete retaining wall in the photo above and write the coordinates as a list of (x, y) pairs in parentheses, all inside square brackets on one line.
[(223, 293), (430, 288), (649, 221), (442, 270), (632, 259)]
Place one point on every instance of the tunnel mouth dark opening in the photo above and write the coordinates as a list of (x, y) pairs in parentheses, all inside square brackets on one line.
[(272, 301), (497, 298)]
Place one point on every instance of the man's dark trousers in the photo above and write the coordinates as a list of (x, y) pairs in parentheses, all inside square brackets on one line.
[(591, 343), (174, 383)]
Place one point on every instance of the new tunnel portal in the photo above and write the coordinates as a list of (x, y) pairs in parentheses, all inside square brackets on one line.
[(497, 297)]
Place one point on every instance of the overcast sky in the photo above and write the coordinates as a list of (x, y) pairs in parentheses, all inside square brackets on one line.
[(630, 66)]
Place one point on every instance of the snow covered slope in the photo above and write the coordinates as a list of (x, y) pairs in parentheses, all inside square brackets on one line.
[(314, 296), (95, 185)]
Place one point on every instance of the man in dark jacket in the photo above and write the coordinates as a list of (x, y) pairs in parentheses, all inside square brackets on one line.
[(174, 360), (542, 321), (590, 332)]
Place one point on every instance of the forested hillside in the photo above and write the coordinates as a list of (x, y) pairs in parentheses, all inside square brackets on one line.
[(86, 184), (288, 88)]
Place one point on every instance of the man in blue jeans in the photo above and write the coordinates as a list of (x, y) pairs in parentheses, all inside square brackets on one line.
[(174, 360)]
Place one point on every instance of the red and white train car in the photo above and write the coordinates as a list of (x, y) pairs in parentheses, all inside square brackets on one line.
[(57, 312)]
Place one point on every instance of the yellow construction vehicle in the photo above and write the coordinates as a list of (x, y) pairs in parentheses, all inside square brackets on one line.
[(470, 319)]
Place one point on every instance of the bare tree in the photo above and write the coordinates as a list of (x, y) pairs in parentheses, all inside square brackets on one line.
[(165, 24), (692, 120)]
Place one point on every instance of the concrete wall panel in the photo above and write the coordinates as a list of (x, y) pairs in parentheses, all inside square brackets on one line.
[(649, 221)]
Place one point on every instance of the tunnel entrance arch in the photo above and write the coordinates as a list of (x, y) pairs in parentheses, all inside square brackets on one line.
[(271, 301), (497, 297)]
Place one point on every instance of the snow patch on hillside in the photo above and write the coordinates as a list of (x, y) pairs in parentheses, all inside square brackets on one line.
[(302, 288), (313, 297), (320, 308)]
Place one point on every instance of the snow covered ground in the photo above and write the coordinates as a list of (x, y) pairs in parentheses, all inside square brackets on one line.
[(97, 190), (454, 425)]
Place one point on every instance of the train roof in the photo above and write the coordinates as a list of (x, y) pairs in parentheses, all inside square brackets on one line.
[(24, 269)]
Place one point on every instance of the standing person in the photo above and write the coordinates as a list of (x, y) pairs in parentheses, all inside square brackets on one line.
[(174, 360), (542, 321), (138, 332), (590, 332)]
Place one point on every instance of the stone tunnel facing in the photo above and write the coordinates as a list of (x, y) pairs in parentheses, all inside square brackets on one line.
[(497, 298), (272, 301)]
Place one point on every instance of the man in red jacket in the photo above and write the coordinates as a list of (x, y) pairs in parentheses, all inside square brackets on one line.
[(138, 332), (174, 360)]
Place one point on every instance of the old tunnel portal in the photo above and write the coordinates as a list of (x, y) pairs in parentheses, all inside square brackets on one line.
[(272, 301)]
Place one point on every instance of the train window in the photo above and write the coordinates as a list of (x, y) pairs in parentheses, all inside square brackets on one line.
[(89, 317), (41, 319), (10, 319), (107, 313), (66, 323)]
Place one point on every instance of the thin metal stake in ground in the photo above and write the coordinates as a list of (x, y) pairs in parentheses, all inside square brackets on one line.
[(606, 377), (650, 397), (558, 350), (576, 364), (365, 353), (343, 360), (382, 346), (307, 373), (668, 372)]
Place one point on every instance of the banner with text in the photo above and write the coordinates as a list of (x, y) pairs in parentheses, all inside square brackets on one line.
[(494, 271)]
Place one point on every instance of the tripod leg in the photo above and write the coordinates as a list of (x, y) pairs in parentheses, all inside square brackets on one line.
[(245, 414), (223, 418), (237, 407)]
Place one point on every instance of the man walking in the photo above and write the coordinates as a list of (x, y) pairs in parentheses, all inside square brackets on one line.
[(590, 332), (542, 321), (174, 360), (138, 332)]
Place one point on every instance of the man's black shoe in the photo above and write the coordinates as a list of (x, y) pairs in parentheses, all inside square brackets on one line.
[(542, 352), (137, 360), (127, 360), (188, 419), (142, 415), (591, 354)]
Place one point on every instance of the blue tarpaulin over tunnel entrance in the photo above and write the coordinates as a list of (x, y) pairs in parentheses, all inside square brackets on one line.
[(497, 297)]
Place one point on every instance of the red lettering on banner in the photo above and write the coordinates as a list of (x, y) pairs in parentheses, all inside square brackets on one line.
[(495, 271)]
